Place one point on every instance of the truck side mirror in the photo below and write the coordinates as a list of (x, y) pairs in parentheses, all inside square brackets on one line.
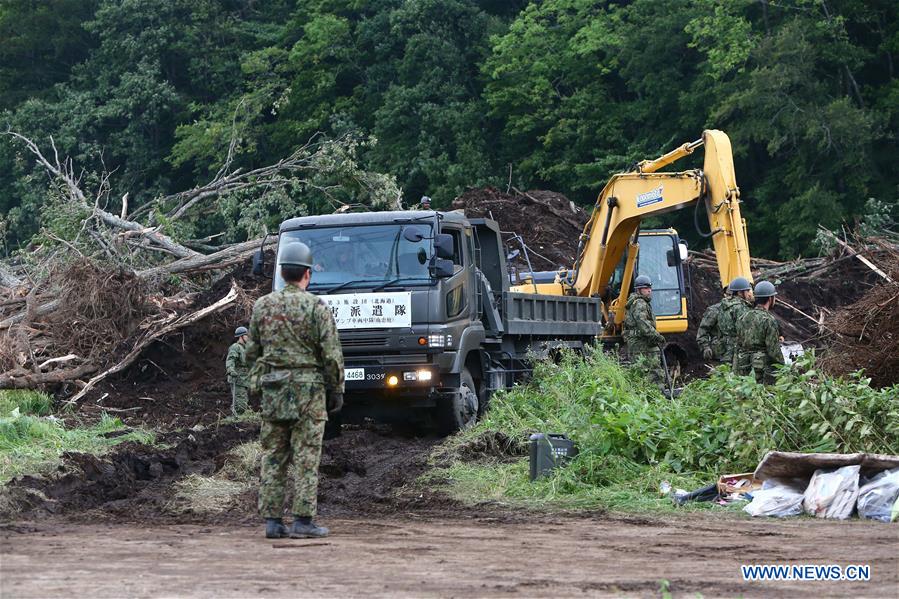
[(413, 234), (682, 248), (444, 245), (258, 263), (443, 269), (671, 258)]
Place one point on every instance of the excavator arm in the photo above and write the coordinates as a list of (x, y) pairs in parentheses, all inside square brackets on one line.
[(628, 198)]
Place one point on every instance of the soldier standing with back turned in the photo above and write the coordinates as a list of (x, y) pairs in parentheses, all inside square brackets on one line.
[(237, 371), (732, 310), (717, 332), (758, 337), (299, 372), (644, 343)]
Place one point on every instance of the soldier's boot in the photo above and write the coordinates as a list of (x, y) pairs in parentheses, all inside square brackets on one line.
[(275, 529), (304, 528)]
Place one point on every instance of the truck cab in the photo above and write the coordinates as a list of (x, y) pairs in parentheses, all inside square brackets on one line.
[(401, 288)]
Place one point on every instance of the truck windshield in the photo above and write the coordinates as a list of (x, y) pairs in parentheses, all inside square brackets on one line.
[(363, 255)]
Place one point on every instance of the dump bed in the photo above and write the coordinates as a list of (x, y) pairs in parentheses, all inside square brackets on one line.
[(551, 315)]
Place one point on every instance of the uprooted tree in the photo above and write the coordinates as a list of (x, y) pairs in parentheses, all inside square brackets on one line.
[(95, 287)]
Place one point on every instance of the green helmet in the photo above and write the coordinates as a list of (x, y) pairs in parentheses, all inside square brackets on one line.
[(642, 281), (240, 331), (764, 289), (739, 284), (295, 253)]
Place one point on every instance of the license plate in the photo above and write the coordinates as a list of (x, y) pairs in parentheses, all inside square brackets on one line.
[(354, 374)]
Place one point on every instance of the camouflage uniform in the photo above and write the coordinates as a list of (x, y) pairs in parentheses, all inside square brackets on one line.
[(732, 310), (641, 338), (758, 345), (708, 336), (237, 371), (297, 360)]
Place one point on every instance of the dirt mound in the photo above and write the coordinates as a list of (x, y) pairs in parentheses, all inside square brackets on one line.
[(179, 380), (364, 470), (548, 222), (367, 469), (133, 481)]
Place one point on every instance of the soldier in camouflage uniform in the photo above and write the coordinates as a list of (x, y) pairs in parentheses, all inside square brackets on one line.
[(708, 337), (717, 333), (298, 369), (644, 343), (732, 310), (758, 337), (237, 371)]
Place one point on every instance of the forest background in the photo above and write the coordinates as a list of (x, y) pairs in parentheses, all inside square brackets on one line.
[(447, 94)]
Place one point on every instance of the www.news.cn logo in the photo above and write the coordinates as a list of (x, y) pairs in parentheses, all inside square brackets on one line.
[(806, 572)]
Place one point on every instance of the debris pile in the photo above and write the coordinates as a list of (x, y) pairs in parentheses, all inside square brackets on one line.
[(845, 303), (548, 223), (88, 320), (865, 334)]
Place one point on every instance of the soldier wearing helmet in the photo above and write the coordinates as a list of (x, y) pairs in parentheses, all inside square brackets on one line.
[(298, 370), (237, 371), (758, 337), (644, 343), (717, 333)]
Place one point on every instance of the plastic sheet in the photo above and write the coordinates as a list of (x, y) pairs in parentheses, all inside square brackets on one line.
[(832, 494), (877, 496), (780, 498)]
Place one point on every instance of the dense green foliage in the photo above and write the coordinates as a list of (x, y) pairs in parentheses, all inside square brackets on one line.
[(630, 437), (561, 93), (32, 441)]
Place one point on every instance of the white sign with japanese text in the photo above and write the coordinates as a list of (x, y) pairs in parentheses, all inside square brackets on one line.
[(370, 310)]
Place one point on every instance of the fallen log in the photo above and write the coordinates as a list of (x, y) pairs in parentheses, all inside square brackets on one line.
[(24, 379), (221, 259)]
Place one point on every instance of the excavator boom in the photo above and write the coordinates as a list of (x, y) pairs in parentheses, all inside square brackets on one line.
[(630, 197)]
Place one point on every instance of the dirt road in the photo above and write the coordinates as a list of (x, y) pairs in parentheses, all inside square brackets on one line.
[(407, 555)]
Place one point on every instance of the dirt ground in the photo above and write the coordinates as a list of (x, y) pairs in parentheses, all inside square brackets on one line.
[(407, 555), (105, 527)]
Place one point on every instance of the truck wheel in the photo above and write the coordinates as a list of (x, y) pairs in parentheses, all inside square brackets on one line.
[(459, 410)]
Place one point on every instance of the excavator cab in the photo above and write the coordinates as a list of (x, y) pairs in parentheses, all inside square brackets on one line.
[(660, 258)]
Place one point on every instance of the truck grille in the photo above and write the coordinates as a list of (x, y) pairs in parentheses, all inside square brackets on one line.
[(363, 341)]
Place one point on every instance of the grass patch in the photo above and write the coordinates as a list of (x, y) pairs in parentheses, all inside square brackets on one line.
[(222, 491), (25, 401), (206, 494), (631, 437), (32, 441)]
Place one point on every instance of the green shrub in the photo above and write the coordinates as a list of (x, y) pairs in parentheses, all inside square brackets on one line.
[(630, 436)]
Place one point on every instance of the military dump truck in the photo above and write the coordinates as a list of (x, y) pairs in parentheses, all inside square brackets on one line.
[(426, 318)]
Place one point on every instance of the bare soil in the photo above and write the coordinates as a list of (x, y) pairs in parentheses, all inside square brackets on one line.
[(464, 556)]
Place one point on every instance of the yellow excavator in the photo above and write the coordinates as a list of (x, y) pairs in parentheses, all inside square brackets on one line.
[(612, 247)]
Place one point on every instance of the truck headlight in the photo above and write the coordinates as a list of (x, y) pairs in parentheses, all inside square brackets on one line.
[(440, 340), (418, 375)]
